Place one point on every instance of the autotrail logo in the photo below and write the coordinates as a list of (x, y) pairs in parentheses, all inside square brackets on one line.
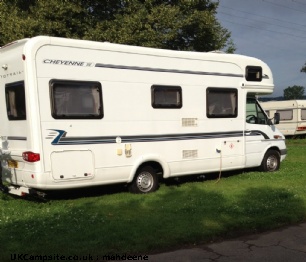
[(11, 74), (67, 62)]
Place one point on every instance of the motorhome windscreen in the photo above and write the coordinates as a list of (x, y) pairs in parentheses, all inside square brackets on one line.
[(221, 102), (15, 101), (76, 99)]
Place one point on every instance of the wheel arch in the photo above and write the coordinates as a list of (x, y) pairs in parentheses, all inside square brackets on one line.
[(160, 166), (270, 148), (264, 166)]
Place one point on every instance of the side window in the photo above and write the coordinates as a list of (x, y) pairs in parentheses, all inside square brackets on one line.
[(253, 73), (76, 99), (166, 96), (15, 101), (285, 114), (254, 113), (303, 114), (221, 102)]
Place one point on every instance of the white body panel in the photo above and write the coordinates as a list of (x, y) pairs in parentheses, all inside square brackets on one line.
[(292, 115), (85, 152)]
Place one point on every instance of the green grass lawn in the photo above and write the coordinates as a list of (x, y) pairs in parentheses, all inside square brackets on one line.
[(109, 220)]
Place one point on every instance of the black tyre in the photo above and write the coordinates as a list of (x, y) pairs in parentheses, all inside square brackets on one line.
[(145, 181), (271, 161)]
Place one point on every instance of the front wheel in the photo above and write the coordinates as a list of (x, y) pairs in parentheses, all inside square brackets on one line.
[(271, 161), (145, 181)]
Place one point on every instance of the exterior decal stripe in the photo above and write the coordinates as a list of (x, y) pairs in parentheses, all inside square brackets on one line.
[(162, 70), (62, 139)]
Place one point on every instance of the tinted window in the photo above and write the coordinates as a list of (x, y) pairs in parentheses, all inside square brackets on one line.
[(166, 96), (221, 102), (76, 99), (253, 73), (15, 101)]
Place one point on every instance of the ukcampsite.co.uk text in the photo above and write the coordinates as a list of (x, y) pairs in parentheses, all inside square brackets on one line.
[(57, 257)]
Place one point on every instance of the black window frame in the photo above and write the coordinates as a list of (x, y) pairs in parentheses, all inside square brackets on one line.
[(160, 88), (224, 113), (55, 83), (21, 106)]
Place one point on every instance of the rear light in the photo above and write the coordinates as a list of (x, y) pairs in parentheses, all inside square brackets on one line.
[(30, 156), (301, 128)]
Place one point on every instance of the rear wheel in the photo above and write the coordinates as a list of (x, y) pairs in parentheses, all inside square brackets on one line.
[(145, 181), (271, 161)]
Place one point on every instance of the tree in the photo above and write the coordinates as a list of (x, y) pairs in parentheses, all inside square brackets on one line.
[(170, 24), (294, 92)]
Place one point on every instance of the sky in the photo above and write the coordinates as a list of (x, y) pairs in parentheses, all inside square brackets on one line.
[(271, 30)]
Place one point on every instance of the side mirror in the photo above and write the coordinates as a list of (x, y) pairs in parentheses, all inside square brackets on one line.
[(276, 118)]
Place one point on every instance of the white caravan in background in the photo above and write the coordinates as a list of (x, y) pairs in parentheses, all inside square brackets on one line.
[(292, 115), (77, 113)]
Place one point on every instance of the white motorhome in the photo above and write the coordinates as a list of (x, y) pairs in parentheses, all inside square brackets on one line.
[(292, 115), (77, 113)]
